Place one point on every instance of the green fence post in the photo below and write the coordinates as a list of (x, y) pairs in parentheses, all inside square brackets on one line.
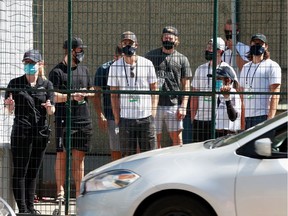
[(68, 114), (215, 30)]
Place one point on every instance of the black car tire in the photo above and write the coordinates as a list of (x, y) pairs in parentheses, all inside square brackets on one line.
[(178, 205)]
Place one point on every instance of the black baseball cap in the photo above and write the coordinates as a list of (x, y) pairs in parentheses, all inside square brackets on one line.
[(33, 55), (225, 71), (128, 35), (76, 42), (259, 36), (170, 30)]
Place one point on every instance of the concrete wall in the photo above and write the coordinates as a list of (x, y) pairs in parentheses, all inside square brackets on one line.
[(100, 24)]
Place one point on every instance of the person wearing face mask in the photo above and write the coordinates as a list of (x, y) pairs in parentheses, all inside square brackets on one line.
[(104, 110), (260, 74), (228, 114), (81, 123), (201, 106), (174, 74), (27, 98), (133, 113), (242, 50)]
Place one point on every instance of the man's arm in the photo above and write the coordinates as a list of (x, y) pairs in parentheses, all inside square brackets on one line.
[(194, 104), (274, 100), (89, 95), (185, 82), (102, 121), (241, 89), (155, 98), (115, 102), (60, 98)]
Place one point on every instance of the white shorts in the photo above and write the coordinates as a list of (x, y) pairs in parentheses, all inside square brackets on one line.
[(168, 114)]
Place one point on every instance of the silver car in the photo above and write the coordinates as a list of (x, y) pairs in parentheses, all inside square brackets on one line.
[(239, 175)]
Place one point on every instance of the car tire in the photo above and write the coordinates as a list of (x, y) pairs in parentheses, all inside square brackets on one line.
[(178, 205)]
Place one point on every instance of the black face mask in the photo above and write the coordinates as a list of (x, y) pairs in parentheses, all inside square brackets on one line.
[(257, 50), (208, 55), (79, 57), (168, 44), (129, 50)]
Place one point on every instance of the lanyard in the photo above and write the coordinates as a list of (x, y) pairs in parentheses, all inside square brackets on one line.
[(131, 73), (230, 60), (208, 75), (252, 75)]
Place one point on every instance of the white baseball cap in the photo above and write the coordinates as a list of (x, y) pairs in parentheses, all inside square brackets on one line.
[(220, 43)]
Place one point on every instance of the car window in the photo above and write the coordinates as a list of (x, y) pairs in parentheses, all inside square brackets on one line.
[(230, 139), (279, 143), (278, 137)]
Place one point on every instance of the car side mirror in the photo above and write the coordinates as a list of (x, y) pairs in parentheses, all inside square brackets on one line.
[(263, 147)]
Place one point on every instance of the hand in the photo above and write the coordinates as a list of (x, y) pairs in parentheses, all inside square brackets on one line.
[(50, 109), (181, 113), (226, 88), (10, 103), (46, 104), (102, 122), (78, 96)]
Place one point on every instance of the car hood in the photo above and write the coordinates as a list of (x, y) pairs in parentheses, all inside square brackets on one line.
[(164, 153)]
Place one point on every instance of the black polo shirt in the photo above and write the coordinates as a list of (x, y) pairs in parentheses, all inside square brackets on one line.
[(28, 109)]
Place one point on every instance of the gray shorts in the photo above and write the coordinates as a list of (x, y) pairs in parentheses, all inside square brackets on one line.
[(168, 114), (114, 142)]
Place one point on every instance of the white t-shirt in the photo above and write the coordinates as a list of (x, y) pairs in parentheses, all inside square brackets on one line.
[(133, 106), (201, 82), (222, 119), (258, 78), (242, 50)]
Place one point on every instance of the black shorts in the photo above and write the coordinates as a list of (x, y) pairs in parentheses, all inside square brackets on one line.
[(137, 131), (81, 136)]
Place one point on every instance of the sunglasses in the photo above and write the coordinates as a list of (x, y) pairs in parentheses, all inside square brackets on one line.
[(228, 34), (132, 74)]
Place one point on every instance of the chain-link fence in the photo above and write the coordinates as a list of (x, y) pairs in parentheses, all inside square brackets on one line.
[(45, 25)]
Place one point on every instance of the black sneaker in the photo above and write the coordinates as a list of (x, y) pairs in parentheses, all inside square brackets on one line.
[(34, 212), (24, 212)]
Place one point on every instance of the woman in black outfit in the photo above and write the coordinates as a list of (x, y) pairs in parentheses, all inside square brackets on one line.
[(27, 97)]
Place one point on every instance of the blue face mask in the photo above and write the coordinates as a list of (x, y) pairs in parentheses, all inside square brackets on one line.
[(30, 69), (219, 84)]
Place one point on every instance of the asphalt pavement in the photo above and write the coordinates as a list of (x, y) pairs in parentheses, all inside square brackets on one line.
[(48, 206)]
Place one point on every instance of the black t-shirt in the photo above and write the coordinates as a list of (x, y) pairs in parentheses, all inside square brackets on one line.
[(80, 113), (28, 109), (170, 69)]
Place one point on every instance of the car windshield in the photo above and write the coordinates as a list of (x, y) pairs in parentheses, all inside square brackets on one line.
[(232, 138)]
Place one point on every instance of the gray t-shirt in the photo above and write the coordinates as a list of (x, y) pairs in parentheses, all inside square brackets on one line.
[(170, 69)]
